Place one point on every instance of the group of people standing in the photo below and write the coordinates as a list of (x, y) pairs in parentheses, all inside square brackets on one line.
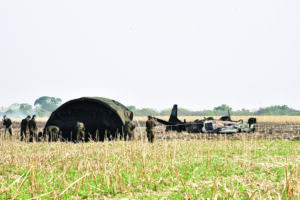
[(150, 125), (29, 129)]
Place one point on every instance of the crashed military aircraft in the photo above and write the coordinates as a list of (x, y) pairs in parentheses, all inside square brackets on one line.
[(174, 124), (208, 125)]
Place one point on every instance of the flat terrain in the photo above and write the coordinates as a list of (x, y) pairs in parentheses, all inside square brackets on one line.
[(174, 169), (176, 166), (260, 119)]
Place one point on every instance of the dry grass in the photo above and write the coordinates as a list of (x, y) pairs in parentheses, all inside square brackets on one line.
[(172, 169), (176, 166), (39, 119), (261, 119)]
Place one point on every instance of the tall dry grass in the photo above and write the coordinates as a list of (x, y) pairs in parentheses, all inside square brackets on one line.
[(171, 169)]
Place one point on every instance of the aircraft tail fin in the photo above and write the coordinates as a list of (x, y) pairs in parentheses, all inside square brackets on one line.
[(174, 115), (229, 115), (174, 112)]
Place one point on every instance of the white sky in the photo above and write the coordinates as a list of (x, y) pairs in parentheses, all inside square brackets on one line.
[(198, 54)]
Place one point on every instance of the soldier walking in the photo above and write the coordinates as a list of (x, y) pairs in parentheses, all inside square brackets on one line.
[(129, 130), (8, 125), (25, 127), (150, 124), (32, 128)]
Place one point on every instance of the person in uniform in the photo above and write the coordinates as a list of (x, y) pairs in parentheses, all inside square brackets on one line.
[(80, 131), (40, 137), (8, 125), (25, 127), (32, 128), (129, 130), (53, 133), (150, 124)]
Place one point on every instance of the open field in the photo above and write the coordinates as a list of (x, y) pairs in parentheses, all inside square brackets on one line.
[(171, 169), (262, 165), (270, 127), (260, 119)]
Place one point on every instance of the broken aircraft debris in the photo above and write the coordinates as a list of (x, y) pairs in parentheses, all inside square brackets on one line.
[(208, 125)]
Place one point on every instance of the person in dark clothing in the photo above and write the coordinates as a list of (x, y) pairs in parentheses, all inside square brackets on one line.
[(25, 127), (129, 130), (32, 128), (8, 125), (80, 131), (53, 133), (150, 124)]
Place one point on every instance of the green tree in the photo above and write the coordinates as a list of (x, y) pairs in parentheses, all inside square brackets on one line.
[(277, 110), (41, 112), (147, 111), (132, 108), (165, 112), (26, 108), (48, 104), (19, 110), (243, 112), (223, 108)]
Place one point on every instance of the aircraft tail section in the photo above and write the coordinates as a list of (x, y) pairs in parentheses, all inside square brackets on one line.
[(174, 112), (174, 124), (174, 115)]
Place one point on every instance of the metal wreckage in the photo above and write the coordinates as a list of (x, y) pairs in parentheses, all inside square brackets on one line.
[(224, 125)]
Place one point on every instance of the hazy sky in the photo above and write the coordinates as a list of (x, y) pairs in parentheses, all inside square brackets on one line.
[(198, 54)]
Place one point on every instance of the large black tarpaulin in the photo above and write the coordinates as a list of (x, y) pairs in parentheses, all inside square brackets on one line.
[(101, 116)]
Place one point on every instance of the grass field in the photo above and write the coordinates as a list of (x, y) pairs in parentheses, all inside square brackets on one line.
[(182, 166), (177, 169)]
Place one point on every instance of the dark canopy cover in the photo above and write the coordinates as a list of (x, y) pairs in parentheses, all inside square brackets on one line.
[(99, 115)]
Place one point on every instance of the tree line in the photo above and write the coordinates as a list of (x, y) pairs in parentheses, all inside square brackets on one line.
[(42, 107), (219, 111), (45, 105)]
